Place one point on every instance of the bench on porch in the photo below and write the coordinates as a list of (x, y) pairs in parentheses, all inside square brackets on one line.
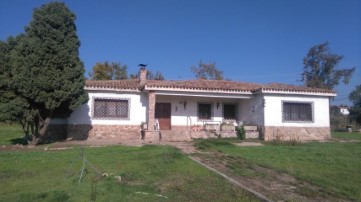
[(251, 132), (212, 127)]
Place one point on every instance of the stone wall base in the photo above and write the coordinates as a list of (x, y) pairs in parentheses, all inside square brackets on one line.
[(178, 133), (92, 132), (184, 133), (252, 135), (295, 133), (150, 136)]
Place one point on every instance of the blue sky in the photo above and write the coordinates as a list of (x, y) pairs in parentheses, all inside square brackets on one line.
[(259, 41)]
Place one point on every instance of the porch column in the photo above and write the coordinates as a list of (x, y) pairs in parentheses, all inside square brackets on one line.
[(151, 110)]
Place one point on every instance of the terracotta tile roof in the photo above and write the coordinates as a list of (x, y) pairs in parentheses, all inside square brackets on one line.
[(200, 84), (131, 84), (293, 88)]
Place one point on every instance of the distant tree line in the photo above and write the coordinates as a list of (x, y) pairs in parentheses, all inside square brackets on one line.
[(118, 71)]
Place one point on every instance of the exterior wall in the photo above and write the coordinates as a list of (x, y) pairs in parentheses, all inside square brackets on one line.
[(138, 109), (251, 111), (273, 111), (184, 133), (275, 128), (180, 114), (118, 132), (82, 126), (286, 133), (263, 110)]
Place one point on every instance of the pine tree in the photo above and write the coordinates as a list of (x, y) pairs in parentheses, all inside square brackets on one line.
[(45, 69)]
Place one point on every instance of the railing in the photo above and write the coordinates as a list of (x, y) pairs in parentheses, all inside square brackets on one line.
[(189, 127)]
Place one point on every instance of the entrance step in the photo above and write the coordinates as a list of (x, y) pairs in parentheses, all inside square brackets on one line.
[(175, 135)]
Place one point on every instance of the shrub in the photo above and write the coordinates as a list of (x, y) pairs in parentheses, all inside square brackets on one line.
[(241, 132)]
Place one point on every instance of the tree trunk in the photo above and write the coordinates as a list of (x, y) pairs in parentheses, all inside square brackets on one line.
[(44, 127), (39, 133)]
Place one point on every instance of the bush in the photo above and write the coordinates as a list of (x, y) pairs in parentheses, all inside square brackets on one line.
[(241, 132)]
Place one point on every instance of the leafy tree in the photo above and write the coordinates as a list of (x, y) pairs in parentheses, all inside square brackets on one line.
[(150, 76), (43, 71), (207, 71), (108, 71), (158, 76), (319, 68), (355, 98)]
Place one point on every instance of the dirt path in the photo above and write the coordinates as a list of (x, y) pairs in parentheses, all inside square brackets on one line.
[(267, 182)]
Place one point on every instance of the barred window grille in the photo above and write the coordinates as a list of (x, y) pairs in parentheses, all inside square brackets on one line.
[(230, 112), (111, 108), (205, 111), (297, 112)]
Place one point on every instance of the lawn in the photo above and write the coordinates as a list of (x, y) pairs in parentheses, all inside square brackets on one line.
[(11, 134), (148, 173), (333, 166), (346, 136)]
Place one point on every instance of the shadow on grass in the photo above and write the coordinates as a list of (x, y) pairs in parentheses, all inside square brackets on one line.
[(23, 141), (19, 140)]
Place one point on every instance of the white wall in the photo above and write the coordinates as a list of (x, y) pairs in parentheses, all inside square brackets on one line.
[(179, 114), (251, 111), (138, 106), (273, 110)]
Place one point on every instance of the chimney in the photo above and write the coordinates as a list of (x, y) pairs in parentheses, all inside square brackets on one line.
[(142, 74)]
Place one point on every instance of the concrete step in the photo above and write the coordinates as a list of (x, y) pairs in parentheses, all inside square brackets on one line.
[(175, 135)]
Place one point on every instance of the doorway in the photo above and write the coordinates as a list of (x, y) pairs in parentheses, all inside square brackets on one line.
[(163, 113)]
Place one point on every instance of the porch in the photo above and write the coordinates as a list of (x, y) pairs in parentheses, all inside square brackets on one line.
[(183, 117)]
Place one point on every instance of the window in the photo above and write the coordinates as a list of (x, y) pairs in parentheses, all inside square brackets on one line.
[(205, 111), (297, 112), (229, 112), (111, 108)]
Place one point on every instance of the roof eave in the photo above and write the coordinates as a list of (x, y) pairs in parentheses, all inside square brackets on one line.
[(111, 89), (198, 90), (296, 92)]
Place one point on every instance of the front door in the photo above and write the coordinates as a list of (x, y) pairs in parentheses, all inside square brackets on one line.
[(162, 113)]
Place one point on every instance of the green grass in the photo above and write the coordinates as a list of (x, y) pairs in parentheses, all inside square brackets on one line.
[(346, 136), (335, 167), (11, 134), (146, 171)]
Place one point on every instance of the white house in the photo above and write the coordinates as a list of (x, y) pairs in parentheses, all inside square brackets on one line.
[(183, 110), (344, 110)]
